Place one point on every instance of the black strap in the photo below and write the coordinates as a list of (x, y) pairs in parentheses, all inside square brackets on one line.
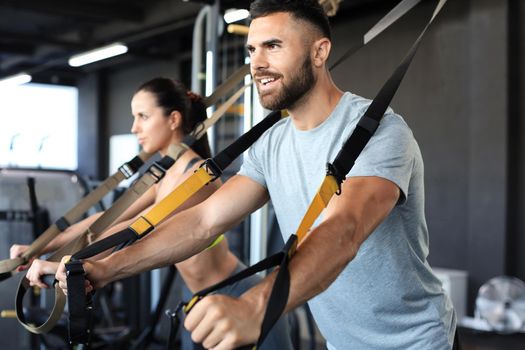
[(80, 317), (230, 153)]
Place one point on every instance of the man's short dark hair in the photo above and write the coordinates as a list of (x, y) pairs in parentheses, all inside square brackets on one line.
[(307, 10)]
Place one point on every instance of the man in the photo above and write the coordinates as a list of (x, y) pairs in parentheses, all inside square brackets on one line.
[(363, 268)]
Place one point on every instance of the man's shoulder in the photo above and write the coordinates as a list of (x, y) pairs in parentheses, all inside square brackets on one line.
[(276, 131)]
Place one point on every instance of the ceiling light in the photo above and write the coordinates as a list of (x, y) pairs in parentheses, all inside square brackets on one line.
[(98, 54), (17, 79), (234, 15)]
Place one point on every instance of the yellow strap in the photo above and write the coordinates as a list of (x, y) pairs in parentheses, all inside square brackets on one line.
[(328, 188), (172, 201)]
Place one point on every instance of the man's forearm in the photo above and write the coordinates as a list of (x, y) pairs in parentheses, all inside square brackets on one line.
[(320, 259), (176, 239), (316, 264)]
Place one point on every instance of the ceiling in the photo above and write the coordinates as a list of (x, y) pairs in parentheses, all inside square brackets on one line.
[(38, 36)]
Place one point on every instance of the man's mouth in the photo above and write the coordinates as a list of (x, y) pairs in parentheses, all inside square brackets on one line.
[(267, 81)]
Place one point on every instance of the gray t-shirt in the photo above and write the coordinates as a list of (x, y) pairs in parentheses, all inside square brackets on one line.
[(387, 297)]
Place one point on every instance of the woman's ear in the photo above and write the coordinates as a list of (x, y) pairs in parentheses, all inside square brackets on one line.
[(321, 52), (175, 120)]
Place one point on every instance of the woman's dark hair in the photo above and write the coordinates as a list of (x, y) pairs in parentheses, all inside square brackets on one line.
[(172, 95), (307, 10)]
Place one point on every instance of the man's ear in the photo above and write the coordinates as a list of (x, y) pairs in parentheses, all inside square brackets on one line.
[(321, 51)]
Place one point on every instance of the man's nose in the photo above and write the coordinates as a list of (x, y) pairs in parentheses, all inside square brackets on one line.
[(258, 61)]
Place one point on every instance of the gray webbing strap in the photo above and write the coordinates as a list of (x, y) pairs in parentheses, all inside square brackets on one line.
[(223, 89), (72, 215), (201, 129), (152, 176)]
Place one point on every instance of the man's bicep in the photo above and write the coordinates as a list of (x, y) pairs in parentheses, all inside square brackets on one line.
[(364, 202), (232, 202)]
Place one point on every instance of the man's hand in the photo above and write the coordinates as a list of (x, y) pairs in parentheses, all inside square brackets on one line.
[(221, 322), (38, 269), (94, 274), (16, 251)]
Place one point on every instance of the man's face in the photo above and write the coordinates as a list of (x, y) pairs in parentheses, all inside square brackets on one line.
[(280, 60)]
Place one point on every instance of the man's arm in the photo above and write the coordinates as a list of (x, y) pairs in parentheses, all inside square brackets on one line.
[(348, 221), (180, 236)]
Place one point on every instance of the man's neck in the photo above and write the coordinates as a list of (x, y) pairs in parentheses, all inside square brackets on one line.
[(317, 105)]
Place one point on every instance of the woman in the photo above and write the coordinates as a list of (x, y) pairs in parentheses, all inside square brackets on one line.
[(164, 112)]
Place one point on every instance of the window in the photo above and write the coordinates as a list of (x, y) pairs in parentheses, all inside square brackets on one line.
[(39, 126)]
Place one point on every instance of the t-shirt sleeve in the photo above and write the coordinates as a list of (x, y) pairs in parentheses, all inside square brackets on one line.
[(252, 166), (389, 154)]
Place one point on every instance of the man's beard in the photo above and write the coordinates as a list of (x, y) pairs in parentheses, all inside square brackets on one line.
[(300, 84)]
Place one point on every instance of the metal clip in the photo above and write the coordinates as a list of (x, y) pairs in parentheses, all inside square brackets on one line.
[(156, 171), (212, 168), (332, 171), (126, 170)]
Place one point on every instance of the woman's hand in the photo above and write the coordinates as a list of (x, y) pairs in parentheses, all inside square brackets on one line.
[(38, 269), (16, 251)]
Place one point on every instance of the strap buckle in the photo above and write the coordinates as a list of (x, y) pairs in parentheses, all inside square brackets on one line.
[(156, 171), (331, 170), (212, 168), (127, 170)]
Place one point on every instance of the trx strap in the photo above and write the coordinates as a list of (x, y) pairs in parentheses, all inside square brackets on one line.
[(210, 170), (152, 176), (335, 175), (7, 267), (228, 85)]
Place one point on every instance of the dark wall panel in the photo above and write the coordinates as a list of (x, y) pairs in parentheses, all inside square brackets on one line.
[(516, 208), (488, 107), (91, 132)]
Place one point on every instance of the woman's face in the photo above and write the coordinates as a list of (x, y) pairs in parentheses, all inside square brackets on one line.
[(154, 130)]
